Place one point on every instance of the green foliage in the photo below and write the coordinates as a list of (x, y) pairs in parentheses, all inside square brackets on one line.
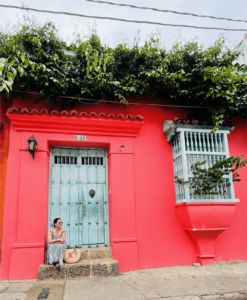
[(32, 59), (209, 81), (205, 180)]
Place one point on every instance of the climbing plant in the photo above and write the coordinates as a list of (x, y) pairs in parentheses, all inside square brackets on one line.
[(32, 59)]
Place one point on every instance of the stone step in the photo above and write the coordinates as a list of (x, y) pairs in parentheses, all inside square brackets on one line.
[(95, 253), (94, 262), (83, 269)]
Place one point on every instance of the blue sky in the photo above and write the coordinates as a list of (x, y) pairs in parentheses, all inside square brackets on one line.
[(111, 31)]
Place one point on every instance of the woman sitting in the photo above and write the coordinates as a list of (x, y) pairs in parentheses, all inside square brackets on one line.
[(56, 244)]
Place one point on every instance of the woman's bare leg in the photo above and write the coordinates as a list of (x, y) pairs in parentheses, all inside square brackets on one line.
[(57, 265)]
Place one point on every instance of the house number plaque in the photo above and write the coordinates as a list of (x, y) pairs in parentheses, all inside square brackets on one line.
[(80, 137)]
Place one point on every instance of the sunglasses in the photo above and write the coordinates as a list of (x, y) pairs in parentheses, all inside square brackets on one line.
[(60, 223)]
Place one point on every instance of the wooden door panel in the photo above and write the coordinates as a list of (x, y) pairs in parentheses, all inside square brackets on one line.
[(101, 221), (101, 171), (74, 172), (81, 213), (85, 220), (92, 172), (93, 216), (83, 170), (75, 205), (55, 199), (64, 207)]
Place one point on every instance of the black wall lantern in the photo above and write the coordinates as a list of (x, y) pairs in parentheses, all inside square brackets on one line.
[(32, 144)]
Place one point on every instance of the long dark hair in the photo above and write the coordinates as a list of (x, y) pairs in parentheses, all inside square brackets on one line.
[(55, 221)]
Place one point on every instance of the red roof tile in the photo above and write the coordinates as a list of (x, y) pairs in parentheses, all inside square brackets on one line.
[(73, 112)]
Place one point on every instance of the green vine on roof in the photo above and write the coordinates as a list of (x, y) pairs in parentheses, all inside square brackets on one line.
[(32, 59)]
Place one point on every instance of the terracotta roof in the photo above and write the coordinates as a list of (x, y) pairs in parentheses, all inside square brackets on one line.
[(72, 113), (193, 121)]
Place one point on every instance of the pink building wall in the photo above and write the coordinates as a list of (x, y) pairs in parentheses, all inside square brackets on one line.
[(145, 231)]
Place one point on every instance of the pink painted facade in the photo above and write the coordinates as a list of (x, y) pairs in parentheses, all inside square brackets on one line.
[(147, 228)]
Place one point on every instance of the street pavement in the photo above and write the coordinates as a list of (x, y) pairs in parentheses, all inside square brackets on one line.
[(221, 281)]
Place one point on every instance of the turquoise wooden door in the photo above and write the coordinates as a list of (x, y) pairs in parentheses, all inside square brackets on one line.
[(78, 195)]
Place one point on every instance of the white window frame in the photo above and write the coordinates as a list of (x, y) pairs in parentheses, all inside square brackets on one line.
[(192, 143)]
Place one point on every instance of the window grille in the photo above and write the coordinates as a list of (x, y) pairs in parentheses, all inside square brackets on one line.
[(79, 157), (65, 160), (93, 161), (191, 145)]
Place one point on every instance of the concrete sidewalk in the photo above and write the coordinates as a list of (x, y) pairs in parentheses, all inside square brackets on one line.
[(218, 281)]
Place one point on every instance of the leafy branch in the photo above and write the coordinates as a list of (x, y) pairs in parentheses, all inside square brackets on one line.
[(205, 180), (10, 68)]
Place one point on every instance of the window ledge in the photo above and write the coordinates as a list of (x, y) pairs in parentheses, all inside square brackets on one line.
[(206, 201)]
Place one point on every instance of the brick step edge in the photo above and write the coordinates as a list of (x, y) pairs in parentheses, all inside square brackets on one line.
[(83, 269)]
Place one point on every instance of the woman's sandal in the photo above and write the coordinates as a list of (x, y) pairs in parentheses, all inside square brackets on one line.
[(51, 266), (57, 265)]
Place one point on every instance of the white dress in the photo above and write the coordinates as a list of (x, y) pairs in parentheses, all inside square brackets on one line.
[(55, 251)]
